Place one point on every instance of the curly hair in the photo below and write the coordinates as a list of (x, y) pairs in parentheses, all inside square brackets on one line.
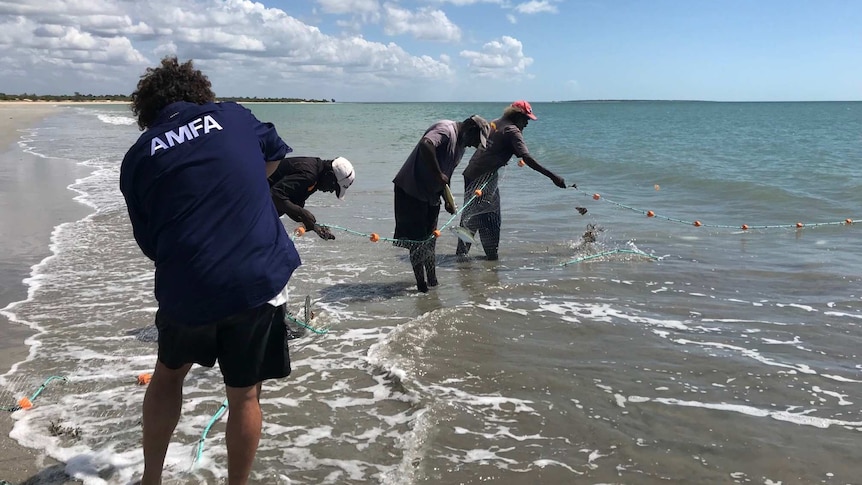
[(168, 83)]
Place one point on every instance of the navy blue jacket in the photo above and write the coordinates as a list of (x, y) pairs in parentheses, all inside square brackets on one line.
[(199, 202)]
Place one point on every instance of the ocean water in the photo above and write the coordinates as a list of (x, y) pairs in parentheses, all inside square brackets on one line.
[(663, 352)]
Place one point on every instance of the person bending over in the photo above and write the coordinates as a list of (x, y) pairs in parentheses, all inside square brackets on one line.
[(506, 140), (419, 186), (296, 178), (197, 197)]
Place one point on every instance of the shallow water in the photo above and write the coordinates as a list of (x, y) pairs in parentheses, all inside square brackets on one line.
[(716, 356)]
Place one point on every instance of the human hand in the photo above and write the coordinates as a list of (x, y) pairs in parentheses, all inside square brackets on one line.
[(323, 232), (449, 208), (308, 220), (444, 179), (558, 181)]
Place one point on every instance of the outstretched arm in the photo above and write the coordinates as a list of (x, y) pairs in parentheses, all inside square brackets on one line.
[(295, 212), (556, 179), (300, 214)]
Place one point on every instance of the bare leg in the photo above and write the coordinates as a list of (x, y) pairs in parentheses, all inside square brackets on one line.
[(244, 422), (162, 406)]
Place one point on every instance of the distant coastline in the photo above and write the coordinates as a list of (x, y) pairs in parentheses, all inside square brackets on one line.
[(691, 101), (121, 98), (124, 99)]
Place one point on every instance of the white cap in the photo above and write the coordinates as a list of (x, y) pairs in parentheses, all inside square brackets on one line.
[(344, 174)]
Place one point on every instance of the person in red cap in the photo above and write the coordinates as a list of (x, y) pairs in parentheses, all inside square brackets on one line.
[(506, 140)]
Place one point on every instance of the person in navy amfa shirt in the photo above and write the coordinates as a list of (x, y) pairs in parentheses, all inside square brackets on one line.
[(298, 177), (195, 184)]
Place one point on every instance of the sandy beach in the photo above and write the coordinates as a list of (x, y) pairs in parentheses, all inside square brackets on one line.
[(27, 183)]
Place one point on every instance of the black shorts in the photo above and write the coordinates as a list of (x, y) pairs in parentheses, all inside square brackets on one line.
[(414, 219), (250, 346)]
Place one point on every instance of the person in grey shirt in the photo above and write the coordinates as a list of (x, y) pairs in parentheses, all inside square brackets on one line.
[(420, 184), (506, 140)]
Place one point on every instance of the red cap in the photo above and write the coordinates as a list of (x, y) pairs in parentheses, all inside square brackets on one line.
[(524, 107)]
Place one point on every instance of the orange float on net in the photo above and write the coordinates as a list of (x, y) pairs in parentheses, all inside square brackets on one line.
[(745, 227), (436, 233), (799, 224), (478, 192), (596, 196), (25, 403), (144, 379), (300, 231), (521, 162), (848, 221), (374, 237), (697, 224), (650, 214)]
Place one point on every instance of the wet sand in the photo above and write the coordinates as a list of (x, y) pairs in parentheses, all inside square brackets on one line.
[(33, 199)]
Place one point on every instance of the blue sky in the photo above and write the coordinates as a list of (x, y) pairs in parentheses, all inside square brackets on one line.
[(444, 50)]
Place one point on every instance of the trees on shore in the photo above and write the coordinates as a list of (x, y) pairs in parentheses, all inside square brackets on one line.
[(124, 97), (63, 97)]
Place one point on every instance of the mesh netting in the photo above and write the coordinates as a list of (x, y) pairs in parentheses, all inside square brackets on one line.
[(479, 214)]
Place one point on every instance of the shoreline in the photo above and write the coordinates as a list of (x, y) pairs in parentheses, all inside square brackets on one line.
[(19, 464), (45, 103), (40, 104)]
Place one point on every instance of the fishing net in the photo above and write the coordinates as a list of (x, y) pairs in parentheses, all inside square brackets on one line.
[(476, 221), (478, 214)]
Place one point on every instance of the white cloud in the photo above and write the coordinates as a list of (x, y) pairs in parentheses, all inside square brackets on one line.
[(424, 24), (536, 6), (115, 25), (461, 3), (165, 49), (57, 7), (62, 44), (498, 58), (348, 6), (238, 43), (367, 10)]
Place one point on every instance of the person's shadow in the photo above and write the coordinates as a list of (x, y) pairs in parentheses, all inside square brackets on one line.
[(357, 292), (53, 475)]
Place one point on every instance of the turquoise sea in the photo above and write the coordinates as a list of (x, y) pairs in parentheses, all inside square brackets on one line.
[(664, 352)]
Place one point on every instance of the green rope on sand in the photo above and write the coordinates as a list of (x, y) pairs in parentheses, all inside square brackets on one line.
[(305, 325), (34, 395), (218, 414), (224, 405), (42, 387)]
